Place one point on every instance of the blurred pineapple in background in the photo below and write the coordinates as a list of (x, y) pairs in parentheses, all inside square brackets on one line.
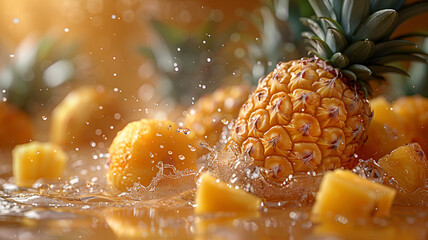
[(213, 112), (15, 127), (87, 117)]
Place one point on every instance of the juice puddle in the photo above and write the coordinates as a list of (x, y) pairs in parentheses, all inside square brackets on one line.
[(82, 207)]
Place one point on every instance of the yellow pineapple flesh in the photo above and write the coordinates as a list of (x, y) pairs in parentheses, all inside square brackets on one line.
[(387, 131), (414, 111), (35, 160), (305, 114), (383, 111), (382, 139), (345, 194), (207, 118), (214, 196), (408, 166), (139, 148)]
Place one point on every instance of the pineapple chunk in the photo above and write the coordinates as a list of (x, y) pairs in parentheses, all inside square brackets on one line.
[(35, 160), (213, 196), (414, 111), (408, 165), (343, 193), (384, 113), (141, 146), (382, 139)]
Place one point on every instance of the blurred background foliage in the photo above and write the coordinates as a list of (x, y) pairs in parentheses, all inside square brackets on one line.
[(159, 55)]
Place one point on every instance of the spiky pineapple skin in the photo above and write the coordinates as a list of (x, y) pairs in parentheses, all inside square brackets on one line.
[(302, 117), (205, 118)]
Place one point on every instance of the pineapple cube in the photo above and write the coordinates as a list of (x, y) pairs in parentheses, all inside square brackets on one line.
[(214, 196), (35, 160), (345, 194), (408, 165)]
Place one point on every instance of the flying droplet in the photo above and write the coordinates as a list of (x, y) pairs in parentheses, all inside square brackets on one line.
[(183, 130)]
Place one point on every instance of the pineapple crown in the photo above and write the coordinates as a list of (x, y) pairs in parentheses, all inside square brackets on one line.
[(355, 36)]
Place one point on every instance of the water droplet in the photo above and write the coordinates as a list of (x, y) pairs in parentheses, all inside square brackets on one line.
[(43, 189), (98, 132), (117, 116), (116, 89), (169, 152), (191, 147), (224, 121), (181, 157), (12, 55), (44, 118), (113, 16), (183, 130), (178, 49), (176, 69), (208, 59), (66, 29), (15, 20), (151, 154), (3, 91), (93, 144), (161, 146)]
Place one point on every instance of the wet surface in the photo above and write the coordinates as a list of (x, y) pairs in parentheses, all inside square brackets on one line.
[(81, 206)]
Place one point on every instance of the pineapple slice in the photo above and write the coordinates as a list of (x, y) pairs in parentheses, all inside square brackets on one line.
[(213, 196), (35, 160), (408, 165), (137, 150), (382, 139), (345, 194)]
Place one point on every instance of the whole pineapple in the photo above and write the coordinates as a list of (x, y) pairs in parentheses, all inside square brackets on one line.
[(312, 114)]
